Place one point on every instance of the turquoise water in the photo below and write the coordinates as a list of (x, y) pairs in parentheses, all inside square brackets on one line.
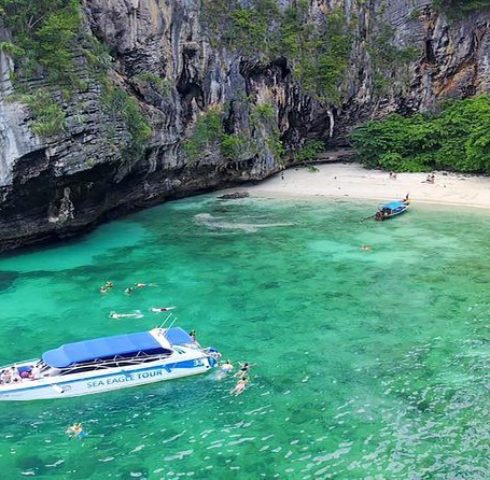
[(370, 364)]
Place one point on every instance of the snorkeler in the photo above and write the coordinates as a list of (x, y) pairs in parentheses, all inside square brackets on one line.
[(106, 287), (117, 316), (161, 309), (244, 371), (240, 387), (76, 431)]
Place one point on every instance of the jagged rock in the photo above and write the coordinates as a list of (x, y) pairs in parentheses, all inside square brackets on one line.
[(234, 196), (58, 186)]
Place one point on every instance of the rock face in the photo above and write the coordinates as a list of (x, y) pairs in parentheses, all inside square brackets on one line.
[(57, 186)]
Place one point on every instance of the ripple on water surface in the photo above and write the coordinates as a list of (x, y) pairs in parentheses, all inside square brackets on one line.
[(370, 363)]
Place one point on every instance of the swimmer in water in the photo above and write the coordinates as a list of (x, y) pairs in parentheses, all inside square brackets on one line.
[(161, 309), (366, 248), (244, 371), (240, 387), (106, 287), (117, 316), (76, 431), (143, 285), (128, 291), (226, 367)]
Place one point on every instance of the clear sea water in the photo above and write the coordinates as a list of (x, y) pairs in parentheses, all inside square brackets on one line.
[(370, 364)]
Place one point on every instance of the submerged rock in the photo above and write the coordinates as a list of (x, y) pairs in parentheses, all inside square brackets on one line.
[(234, 196)]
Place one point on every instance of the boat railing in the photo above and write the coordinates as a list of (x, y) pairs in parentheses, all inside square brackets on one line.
[(114, 362)]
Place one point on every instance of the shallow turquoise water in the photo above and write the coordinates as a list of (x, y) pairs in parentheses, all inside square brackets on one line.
[(370, 364)]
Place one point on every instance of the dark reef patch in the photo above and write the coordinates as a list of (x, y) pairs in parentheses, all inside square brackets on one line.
[(7, 279)]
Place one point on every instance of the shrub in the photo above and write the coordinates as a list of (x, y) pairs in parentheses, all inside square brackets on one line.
[(309, 151), (45, 30), (208, 130), (49, 118), (120, 105), (159, 84), (460, 6), (458, 138)]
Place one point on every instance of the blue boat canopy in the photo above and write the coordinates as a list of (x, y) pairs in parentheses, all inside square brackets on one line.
[(103, 348), (394, 205), (178, 336)]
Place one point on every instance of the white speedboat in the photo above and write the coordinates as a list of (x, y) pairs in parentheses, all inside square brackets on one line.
[(106, 364)]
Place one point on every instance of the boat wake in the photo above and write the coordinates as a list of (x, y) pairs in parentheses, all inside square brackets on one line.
[(215, 223)]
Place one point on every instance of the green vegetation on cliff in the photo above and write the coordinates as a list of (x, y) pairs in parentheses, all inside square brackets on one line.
[(461, 6), (318, 54), (458, 138), (119, 105), (209, 135), (47, 37), (44, 35)]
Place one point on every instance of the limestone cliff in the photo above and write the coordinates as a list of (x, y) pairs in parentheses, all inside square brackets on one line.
[(164, 54)]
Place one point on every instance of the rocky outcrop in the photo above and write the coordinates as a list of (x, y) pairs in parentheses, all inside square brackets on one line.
[(53, 187)]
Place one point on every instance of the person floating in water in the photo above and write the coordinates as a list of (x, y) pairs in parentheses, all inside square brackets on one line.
[(226, 367), (76, 431), (161, 309), (240, 387), (117, 316), (244, 371), (106, 287), (143, 285), (128, 291), (366, 248)]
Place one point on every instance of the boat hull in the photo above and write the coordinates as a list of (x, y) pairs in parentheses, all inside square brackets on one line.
[(100, 382), (387, 216)]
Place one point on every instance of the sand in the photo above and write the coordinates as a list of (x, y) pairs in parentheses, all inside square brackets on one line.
[(353, 181)]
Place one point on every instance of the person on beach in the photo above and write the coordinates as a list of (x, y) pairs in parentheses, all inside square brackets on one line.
[(430, 178), (240, 387)]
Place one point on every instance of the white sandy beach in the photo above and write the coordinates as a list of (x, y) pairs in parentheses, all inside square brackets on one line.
[(353, 181)]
